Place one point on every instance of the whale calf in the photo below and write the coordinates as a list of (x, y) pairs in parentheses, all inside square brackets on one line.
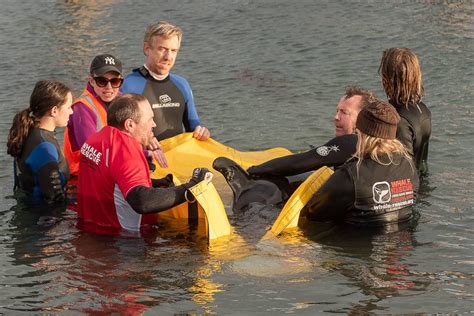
[(245, 189)]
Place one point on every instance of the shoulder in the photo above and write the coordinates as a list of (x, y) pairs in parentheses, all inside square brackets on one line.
[(134, 82), (426, 111), (343, 140), (348, 170), (181, 82), (45, 148), (80, 108)]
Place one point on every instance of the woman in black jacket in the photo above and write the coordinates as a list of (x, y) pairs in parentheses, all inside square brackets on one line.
[(378, 185), (403, 85)]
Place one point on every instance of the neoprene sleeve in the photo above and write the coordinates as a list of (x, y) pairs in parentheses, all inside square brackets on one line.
[(145, 200), (50, 182), (334, 153)]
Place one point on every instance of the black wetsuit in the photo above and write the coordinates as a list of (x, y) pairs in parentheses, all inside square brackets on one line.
[(42, 171), (171, 99), (375, 195), (332, 154), (414, 131)]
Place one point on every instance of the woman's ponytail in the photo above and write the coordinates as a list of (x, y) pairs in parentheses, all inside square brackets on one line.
[(22, 122), (46, 95)]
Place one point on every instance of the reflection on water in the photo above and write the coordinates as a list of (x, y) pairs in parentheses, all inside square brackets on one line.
[(373, 260), (259, 82)]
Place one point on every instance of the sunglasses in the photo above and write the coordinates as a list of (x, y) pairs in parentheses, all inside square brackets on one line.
[(114, 82)]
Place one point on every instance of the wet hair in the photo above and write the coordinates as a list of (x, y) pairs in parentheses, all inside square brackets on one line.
[(401, 76), (367, 96), (46, 95), (124, 107), (161, 28), (369, 147)]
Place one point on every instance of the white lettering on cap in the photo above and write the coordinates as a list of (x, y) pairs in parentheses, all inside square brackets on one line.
[(109, 60)]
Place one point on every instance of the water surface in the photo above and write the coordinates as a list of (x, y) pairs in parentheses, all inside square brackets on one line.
[(264, 74)]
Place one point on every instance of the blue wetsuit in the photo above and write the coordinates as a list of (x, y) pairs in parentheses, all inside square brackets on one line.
[(41, 170), (171, 100)]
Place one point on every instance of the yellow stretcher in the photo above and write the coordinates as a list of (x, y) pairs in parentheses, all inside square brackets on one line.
[(290, 213), (184, 153)]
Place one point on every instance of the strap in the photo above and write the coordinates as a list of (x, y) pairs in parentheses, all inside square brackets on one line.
[(89, 100)]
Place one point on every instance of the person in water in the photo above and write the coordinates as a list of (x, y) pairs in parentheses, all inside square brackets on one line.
[(41, 170), (90, 109), (333, 153), (267, 183), (403, 85), (379, 184), (115, 192), (169, 94)]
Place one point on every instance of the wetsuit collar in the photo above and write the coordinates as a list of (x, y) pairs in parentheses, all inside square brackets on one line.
[(155, 75)]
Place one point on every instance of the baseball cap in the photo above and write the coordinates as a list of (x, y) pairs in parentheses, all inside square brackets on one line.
[(105, 63)]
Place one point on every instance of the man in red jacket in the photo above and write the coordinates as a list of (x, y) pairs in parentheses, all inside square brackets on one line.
[(115, 192)]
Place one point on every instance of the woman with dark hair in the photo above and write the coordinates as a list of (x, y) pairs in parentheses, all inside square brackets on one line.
[(378, 185), (40, 167), (402, 83)]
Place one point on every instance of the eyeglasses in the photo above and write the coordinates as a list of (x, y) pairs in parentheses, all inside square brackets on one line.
[(114, 82)]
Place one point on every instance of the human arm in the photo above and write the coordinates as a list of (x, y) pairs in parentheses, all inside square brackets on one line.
[(190, 119), (163, 182), (145, 200), (334, 153), (156, 151), (406, 135), (45, 166), (82, 123), (333, 199)]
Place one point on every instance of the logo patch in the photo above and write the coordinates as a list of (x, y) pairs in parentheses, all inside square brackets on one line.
[(325, 150), (381, 192), (165, 98), (109, 61)]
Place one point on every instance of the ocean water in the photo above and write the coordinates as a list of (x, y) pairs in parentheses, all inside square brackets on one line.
[(264, 74)]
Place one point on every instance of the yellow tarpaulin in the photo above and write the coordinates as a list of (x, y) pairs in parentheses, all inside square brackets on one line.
[(290, 213), (184, 153), (208, 205), (217, 223)]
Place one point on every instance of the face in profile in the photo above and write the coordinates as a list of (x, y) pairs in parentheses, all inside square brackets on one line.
[(63, 112), (346, 115), (143, 131)]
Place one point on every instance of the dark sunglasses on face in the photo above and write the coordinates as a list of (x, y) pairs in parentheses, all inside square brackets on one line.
[(114, 82)]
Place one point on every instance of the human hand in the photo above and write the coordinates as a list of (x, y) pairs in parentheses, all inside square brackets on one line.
[(201, 133), (157, 153), (200, 174)]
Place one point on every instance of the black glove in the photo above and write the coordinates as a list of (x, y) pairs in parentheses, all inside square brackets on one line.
[(199, 174)]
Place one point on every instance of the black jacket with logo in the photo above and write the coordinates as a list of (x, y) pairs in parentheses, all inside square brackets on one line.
[(372, 195), (332, 154)]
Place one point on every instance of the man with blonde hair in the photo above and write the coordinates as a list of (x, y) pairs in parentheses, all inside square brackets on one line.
[(170, 95)]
